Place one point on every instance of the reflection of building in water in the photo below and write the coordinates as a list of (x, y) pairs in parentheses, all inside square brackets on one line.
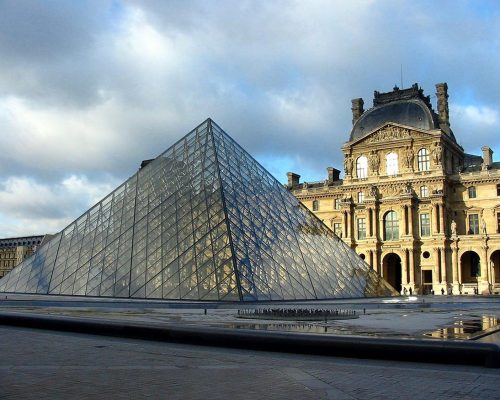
[(413, 204), (14, 250), (466, 329)]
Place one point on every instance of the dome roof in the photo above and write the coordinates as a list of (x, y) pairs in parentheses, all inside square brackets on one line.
[(412, 112)]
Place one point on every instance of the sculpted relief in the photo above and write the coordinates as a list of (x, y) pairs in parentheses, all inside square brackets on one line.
[(408, 157), (388, 133), (348, 164), (437, 153), (374, 161)]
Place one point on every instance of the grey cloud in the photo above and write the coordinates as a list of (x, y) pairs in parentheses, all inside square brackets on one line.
[(92, 88)]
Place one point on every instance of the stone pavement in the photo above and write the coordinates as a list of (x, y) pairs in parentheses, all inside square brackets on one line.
[(37, 364)]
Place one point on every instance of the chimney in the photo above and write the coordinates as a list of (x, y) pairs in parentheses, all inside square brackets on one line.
[(487, 157), (293, 180), (442, 106), (357, 109), (333, 175)]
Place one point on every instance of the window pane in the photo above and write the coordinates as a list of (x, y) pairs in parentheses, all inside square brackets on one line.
[(361, 228), (337, 228), (315, 205), (425, 225), (391, 225), (423, 160), (473, 224), (362, 167), (392, 164)]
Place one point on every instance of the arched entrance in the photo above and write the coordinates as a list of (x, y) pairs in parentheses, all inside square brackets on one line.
[(470, 267), (495, 267), (392, 271)]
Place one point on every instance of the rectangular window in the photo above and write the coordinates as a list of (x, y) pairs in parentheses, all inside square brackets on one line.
[(336, 204), (498, 223), (315, 205), (473, 224), (361, 228), (472, 192), (361, 197), (425, 225), (498, 190), (337, 228)]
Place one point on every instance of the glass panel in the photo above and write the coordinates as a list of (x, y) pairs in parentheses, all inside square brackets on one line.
[(202, 221)]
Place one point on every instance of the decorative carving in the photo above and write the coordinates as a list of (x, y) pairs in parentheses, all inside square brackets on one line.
[(393, 190), (437, 153), (453, 227), (348, 164), (374, 161), (409, 156), (373, 191), (389, 133), (408, 188)]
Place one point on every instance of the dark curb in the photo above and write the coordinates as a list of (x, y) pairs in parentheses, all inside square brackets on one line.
[(422, 350)]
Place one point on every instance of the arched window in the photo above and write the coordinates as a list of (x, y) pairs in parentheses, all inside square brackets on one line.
[(362, 167), (424, 191), (315, 205), (423, 160), (392, 164), (391, 226)]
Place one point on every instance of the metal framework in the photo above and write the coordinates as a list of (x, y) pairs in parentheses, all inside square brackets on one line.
[(202, 221)]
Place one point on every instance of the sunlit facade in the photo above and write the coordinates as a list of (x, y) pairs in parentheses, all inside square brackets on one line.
[(429, 221)]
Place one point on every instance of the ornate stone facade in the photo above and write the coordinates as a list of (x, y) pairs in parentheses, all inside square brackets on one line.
[(15, 250), (419, 210)]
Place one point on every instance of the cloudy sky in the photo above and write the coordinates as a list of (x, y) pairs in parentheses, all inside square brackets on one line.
[(88, 89)]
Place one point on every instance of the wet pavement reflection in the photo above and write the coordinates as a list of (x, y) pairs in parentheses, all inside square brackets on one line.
[(467, 329)]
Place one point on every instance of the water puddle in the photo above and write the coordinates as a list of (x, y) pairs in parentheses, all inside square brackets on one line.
[(466, 329), (314, 328)]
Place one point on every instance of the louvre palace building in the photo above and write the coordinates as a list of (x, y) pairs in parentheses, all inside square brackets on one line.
[(419, 210)]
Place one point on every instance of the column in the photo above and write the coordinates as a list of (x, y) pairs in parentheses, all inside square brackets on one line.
[(412, 267), (404, 269), (345, 225), (369, 225), (405, 221), (435, 218), (379, 262), (381, 227), (482, 284), (443, 266), (443, 219), (410, 220), (454, 264), (436, 269)]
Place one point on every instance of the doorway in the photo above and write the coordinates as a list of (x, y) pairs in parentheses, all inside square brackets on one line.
[(392, 271)]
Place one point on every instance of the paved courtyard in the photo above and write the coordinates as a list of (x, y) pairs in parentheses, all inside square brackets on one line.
[(37, 364)]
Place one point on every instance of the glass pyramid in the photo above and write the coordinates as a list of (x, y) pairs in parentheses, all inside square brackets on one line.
[(202, 221)]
